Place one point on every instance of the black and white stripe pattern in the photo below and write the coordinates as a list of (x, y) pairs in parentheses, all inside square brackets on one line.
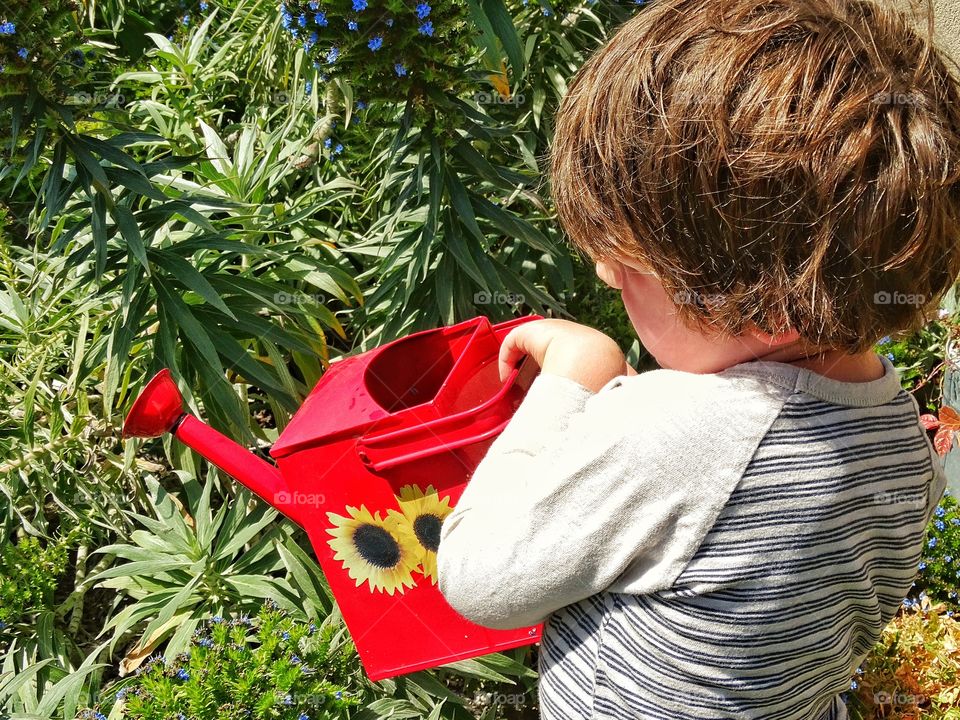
[(808, 561)]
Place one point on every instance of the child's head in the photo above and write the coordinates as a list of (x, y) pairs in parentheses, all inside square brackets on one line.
[(778, 164)]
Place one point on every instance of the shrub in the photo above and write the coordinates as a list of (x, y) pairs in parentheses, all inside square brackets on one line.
[(269, 666), (914, 671), (28, 576), (940, 565), (42, 41)]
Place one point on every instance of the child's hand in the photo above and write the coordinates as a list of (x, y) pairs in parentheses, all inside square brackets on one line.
[(565, 348)]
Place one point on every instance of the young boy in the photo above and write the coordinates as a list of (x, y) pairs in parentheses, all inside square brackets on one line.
[(773, 185)]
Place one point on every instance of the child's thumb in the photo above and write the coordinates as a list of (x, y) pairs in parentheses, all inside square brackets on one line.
[(510, 353)]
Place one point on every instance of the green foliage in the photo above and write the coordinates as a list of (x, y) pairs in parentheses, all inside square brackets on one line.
[(271, 666), (40, 48), (29, 572), (183, 567), (940, 565)]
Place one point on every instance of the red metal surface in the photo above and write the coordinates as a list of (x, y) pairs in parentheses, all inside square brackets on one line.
[(374, 459)]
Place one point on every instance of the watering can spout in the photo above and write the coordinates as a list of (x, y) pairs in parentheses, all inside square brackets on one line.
[(159, 409)]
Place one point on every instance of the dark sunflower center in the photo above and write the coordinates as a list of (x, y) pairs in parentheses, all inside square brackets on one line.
[(376, 546), (427, 530)]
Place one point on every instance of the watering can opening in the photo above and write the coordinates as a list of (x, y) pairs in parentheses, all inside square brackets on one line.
[(157, 409), (411, 371)]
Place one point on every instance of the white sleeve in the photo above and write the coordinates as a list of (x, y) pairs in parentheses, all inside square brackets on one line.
[(585, 492)]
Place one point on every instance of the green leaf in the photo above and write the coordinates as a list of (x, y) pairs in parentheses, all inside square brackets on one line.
[(131, 234), (503, 26), (186, 273)]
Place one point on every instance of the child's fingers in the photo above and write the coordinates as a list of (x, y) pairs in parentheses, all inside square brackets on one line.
[(512, 349)]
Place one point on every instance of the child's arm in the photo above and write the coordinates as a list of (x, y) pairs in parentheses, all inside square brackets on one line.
[(587, 492)]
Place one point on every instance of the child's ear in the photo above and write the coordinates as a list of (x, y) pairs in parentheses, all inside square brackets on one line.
[(786, 337), (611, 272)]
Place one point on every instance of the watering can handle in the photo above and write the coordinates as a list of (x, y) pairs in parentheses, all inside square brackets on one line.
[(382, 451)]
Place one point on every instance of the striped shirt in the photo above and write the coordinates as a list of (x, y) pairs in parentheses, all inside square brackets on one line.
[(700, 546)]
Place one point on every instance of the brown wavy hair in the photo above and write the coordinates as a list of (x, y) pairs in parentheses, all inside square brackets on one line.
[(796, 161)]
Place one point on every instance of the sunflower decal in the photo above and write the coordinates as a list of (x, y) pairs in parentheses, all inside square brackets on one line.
[(425, 511), (382, 552)]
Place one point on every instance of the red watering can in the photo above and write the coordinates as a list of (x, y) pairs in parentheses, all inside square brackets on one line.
[(369, 466)]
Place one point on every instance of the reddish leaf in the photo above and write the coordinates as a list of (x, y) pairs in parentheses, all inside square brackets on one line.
[(929, 422), (943, 440), (949, 417)]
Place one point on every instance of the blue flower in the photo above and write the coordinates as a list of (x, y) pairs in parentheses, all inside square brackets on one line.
[(287, 699), (338, 694), (320, 19), (286, 18), (922, 566), (389, 22), (204, 5), (121, 693), (313, 628), (206, 642), (309, 89), (940, 512), (399, 69), (303, 716), (313, 4), (302, 19), (939, 525), (955, 521), (375, 43), (891, 357), (324, 77), (333, 54), (8, 28), (327, 143), (294, 659), (185, 20), (217, 619), (854, 685), (359, 5), (336, 151), (99, 716), (427, 28), (547, 12), (361, 105), (23, 53), (932, 543), (3, 68), (352, 25), (423, 10), (182, 674)]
